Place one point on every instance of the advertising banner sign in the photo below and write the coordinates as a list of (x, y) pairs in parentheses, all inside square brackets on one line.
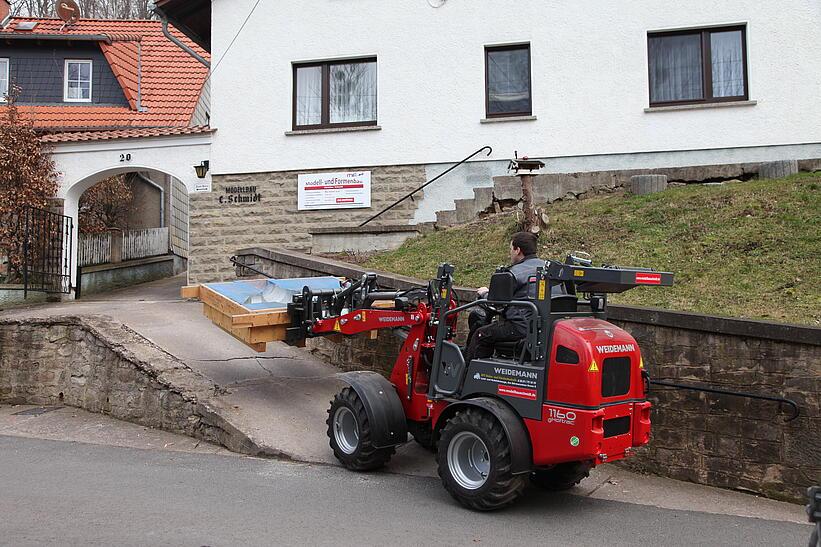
[(345, 190)]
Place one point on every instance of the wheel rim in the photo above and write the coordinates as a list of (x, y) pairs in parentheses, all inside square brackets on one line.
[(468, 460), (346, 430)]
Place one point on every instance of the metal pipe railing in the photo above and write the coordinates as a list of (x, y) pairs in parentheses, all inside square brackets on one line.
[(434, 179)]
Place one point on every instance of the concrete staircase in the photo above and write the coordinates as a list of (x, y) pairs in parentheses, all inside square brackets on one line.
[(466, 209), (505, 192)]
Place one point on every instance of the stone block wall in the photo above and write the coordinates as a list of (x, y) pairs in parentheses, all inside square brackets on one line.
[(731, 442), (359, 352), (103, 366), (722, 441), (218, 229)]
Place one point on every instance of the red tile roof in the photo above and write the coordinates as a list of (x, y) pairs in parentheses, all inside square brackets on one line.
[(123, 58), (133, 132), (169, 83)]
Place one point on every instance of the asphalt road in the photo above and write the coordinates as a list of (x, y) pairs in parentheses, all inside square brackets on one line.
[(62, 493)]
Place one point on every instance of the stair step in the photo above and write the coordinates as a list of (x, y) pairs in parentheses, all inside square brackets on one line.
[(446, 218), (482, 198), (465, 210)]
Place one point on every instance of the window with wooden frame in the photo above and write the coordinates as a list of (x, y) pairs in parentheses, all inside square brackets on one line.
[(507, 81), (698, 66), (4, 79), (334, 94), (77, 81)]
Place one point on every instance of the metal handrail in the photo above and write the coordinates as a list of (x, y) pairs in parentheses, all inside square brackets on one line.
[(434, 179), (779, 400)]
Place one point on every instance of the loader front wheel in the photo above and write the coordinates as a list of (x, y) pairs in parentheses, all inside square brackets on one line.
[(474, 458), (349, 434)]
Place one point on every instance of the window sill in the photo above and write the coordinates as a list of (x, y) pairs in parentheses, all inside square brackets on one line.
[(333, 130), (508, 119), (700, 106)]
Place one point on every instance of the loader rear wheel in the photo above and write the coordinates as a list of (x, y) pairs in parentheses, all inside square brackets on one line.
[(561, 477), (349, 434), (475, 461)]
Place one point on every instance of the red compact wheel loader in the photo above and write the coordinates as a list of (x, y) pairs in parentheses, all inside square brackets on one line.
[(568, 397)]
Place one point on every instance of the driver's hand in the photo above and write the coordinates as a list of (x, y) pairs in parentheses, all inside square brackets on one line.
[(482, 291)]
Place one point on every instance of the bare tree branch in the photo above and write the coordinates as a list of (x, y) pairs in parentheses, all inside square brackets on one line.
[(89, 9)]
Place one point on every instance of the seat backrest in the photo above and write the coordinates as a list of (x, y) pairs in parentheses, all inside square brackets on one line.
[(502, 286), (563, 303)]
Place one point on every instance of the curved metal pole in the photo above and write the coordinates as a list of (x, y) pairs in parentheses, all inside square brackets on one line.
[(780, 400), (440, 175)]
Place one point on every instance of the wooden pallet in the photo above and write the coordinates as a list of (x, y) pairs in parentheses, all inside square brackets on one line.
[(254, 328)]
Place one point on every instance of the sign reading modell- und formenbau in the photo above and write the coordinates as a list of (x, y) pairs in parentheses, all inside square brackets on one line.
[(346, 190)]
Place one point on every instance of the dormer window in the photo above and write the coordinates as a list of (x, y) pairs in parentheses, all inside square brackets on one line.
[(4, 80), (77, 87)]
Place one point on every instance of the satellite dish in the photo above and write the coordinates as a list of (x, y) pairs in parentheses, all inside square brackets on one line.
[(68, 11)]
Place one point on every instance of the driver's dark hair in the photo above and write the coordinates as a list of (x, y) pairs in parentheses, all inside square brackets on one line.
[(525, 241)]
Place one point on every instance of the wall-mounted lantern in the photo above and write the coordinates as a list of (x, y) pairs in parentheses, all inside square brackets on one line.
[(201, 169)]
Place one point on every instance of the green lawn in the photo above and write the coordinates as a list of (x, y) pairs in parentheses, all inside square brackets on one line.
[(746, 249)]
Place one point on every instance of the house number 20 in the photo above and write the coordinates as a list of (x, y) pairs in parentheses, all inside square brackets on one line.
[(125, 157)]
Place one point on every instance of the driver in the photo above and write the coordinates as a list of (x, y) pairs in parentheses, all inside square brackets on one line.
[(513, 324)]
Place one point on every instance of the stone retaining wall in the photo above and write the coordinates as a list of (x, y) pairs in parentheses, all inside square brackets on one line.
[(717, 440), (103, 366), (218, 229), (731, 442)]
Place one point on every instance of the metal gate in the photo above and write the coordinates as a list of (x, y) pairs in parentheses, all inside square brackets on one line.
[(47, 239)]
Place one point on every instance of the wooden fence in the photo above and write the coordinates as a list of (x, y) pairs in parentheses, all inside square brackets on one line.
[(94, 249), (118, 246), (145, 243)]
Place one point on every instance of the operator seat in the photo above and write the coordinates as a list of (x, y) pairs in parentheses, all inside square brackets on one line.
[(512, 350)]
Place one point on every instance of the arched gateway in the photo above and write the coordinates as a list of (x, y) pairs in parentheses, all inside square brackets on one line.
[(84, 159)]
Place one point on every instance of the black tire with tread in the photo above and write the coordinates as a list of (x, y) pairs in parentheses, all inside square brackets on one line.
[(502, 487), (366, 457), (563, 476)]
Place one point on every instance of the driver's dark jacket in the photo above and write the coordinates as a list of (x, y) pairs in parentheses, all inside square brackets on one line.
[(523, 272)]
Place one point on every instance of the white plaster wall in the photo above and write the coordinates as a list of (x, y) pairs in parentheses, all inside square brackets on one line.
[(83, 164), (589, 66), (80, 165)]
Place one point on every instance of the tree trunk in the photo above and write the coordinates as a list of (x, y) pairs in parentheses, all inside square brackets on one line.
[(531, 222)]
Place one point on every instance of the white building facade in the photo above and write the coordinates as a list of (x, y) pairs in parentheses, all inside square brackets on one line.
[(589, 72), (339, 85)]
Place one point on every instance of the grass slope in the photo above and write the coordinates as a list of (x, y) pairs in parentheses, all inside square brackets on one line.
[(747, 249)]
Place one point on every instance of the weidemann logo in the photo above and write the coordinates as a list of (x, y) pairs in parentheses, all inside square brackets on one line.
[(514, 372), (616, 348)]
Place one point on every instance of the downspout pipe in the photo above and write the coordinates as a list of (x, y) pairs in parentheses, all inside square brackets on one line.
[(182, 46)]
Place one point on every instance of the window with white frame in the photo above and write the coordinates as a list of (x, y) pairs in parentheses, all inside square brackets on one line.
[(4, 79), (77, 81)]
